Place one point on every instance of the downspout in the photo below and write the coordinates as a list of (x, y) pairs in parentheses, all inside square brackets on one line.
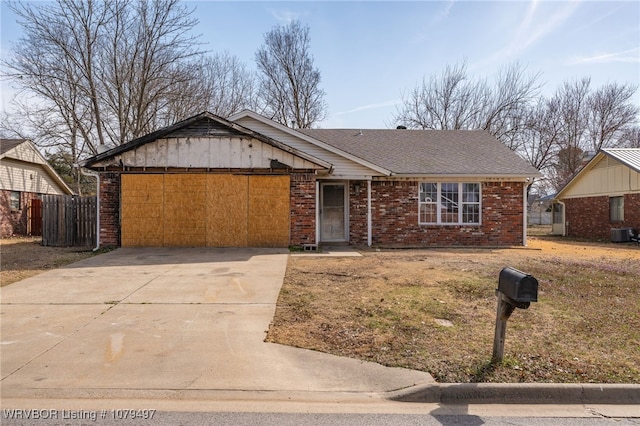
[(317, 212), (526, 217), (369, 213), (97, 176)]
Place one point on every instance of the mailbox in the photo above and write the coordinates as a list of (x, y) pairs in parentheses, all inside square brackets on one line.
[(517, 285)]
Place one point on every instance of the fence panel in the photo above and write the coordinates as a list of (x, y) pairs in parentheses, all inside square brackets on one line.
[(68, 221)]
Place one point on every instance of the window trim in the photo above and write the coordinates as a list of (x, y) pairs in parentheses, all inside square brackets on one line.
[(460, 205)]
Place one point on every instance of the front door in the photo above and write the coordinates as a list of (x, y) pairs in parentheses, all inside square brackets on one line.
[(333, 212)]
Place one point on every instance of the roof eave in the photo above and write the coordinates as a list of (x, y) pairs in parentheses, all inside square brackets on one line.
[(475, 176)]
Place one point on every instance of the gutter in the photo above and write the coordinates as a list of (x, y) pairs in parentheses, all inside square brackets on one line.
[(97, 176)]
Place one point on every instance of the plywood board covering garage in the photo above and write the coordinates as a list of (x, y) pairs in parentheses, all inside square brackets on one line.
[(215, 210), (227, 207), (185, 210), (142, 211), (268, 211)]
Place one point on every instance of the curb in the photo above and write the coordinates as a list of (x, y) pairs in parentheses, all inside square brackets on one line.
[(518, 393)]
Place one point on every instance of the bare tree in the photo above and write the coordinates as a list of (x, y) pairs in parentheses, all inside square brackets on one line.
[(611, 113), (220, 84), (542, 134), (106, 68), (289, 83), (453, 101), (450, 101), (631, 137)]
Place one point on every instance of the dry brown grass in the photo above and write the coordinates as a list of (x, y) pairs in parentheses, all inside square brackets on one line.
[(21, 258), (383, 307)]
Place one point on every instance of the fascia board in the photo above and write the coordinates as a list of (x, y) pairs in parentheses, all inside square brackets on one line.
[(313, 141)]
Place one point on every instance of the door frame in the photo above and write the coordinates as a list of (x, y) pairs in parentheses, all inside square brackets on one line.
[(321, 186)]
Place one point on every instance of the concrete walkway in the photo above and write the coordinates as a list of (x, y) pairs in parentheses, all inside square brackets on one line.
[(166, 323)]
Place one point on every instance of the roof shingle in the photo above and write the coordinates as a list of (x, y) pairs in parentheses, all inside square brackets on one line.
[(417, 152)]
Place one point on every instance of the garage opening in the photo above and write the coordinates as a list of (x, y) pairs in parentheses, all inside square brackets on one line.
[(205, 210)]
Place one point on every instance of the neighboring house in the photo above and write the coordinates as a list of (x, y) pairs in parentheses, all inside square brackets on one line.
[(603, 195), (24, 176), (248, 181), (539, 210)]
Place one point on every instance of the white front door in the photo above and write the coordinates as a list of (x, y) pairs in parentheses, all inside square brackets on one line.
[(333, 213)]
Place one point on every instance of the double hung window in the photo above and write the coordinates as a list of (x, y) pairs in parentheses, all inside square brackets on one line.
[(449, 203)]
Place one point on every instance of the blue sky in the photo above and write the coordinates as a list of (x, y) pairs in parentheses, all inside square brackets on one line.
[(371, 53)]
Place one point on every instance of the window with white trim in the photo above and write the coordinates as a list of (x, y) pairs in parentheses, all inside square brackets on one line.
[(449, 203)]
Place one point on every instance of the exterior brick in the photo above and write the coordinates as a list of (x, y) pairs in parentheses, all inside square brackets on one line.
[(588, 217), (303, 209), (14, 222), (395, 217), (110, 209)]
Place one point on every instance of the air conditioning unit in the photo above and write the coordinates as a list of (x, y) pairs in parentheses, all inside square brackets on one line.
[(621, 235)]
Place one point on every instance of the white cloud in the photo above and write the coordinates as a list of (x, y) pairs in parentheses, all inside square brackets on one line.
[(377, 105), (629, 56), (285, 16), (534, 27)]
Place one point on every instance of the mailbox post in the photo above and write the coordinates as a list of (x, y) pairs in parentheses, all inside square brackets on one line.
[(516, 289)]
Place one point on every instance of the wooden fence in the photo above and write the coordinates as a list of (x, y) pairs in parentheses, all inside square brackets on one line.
[(68, 221)]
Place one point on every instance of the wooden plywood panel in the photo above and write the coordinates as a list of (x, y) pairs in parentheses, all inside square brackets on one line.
[(142, 210), (227, 206), (269, 211), (184, 210)]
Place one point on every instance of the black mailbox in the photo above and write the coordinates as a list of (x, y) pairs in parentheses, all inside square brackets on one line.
[(517, 285)]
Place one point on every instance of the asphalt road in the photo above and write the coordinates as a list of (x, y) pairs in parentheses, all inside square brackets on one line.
[(319, 419)]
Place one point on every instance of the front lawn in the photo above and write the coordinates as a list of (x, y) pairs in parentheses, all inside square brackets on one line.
[(434, 310)]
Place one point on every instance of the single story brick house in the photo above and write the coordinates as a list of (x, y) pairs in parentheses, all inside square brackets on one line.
[(603, 196), (25, 175), (248, 181)]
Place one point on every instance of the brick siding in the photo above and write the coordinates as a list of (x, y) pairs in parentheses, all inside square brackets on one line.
[(14, 222), (109, 209), (588, 217), (303, 209), (395, 217)]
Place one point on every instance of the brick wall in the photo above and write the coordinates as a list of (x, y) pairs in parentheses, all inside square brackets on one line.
[(14, 222), (109, 209), (395, 217), (303, 209), (588, 217)]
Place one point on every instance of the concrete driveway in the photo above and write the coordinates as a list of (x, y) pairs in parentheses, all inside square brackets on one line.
[(166, 323)]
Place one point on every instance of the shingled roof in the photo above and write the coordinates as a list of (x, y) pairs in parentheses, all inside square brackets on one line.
[(427, 152)]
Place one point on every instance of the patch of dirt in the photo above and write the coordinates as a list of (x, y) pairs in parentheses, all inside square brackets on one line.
[(21, 258), (434, 310)]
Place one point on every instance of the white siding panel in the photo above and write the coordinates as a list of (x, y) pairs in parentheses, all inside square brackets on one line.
[(17, 176), (214, 153), (343, 167), (26, 153), (616, 179)]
